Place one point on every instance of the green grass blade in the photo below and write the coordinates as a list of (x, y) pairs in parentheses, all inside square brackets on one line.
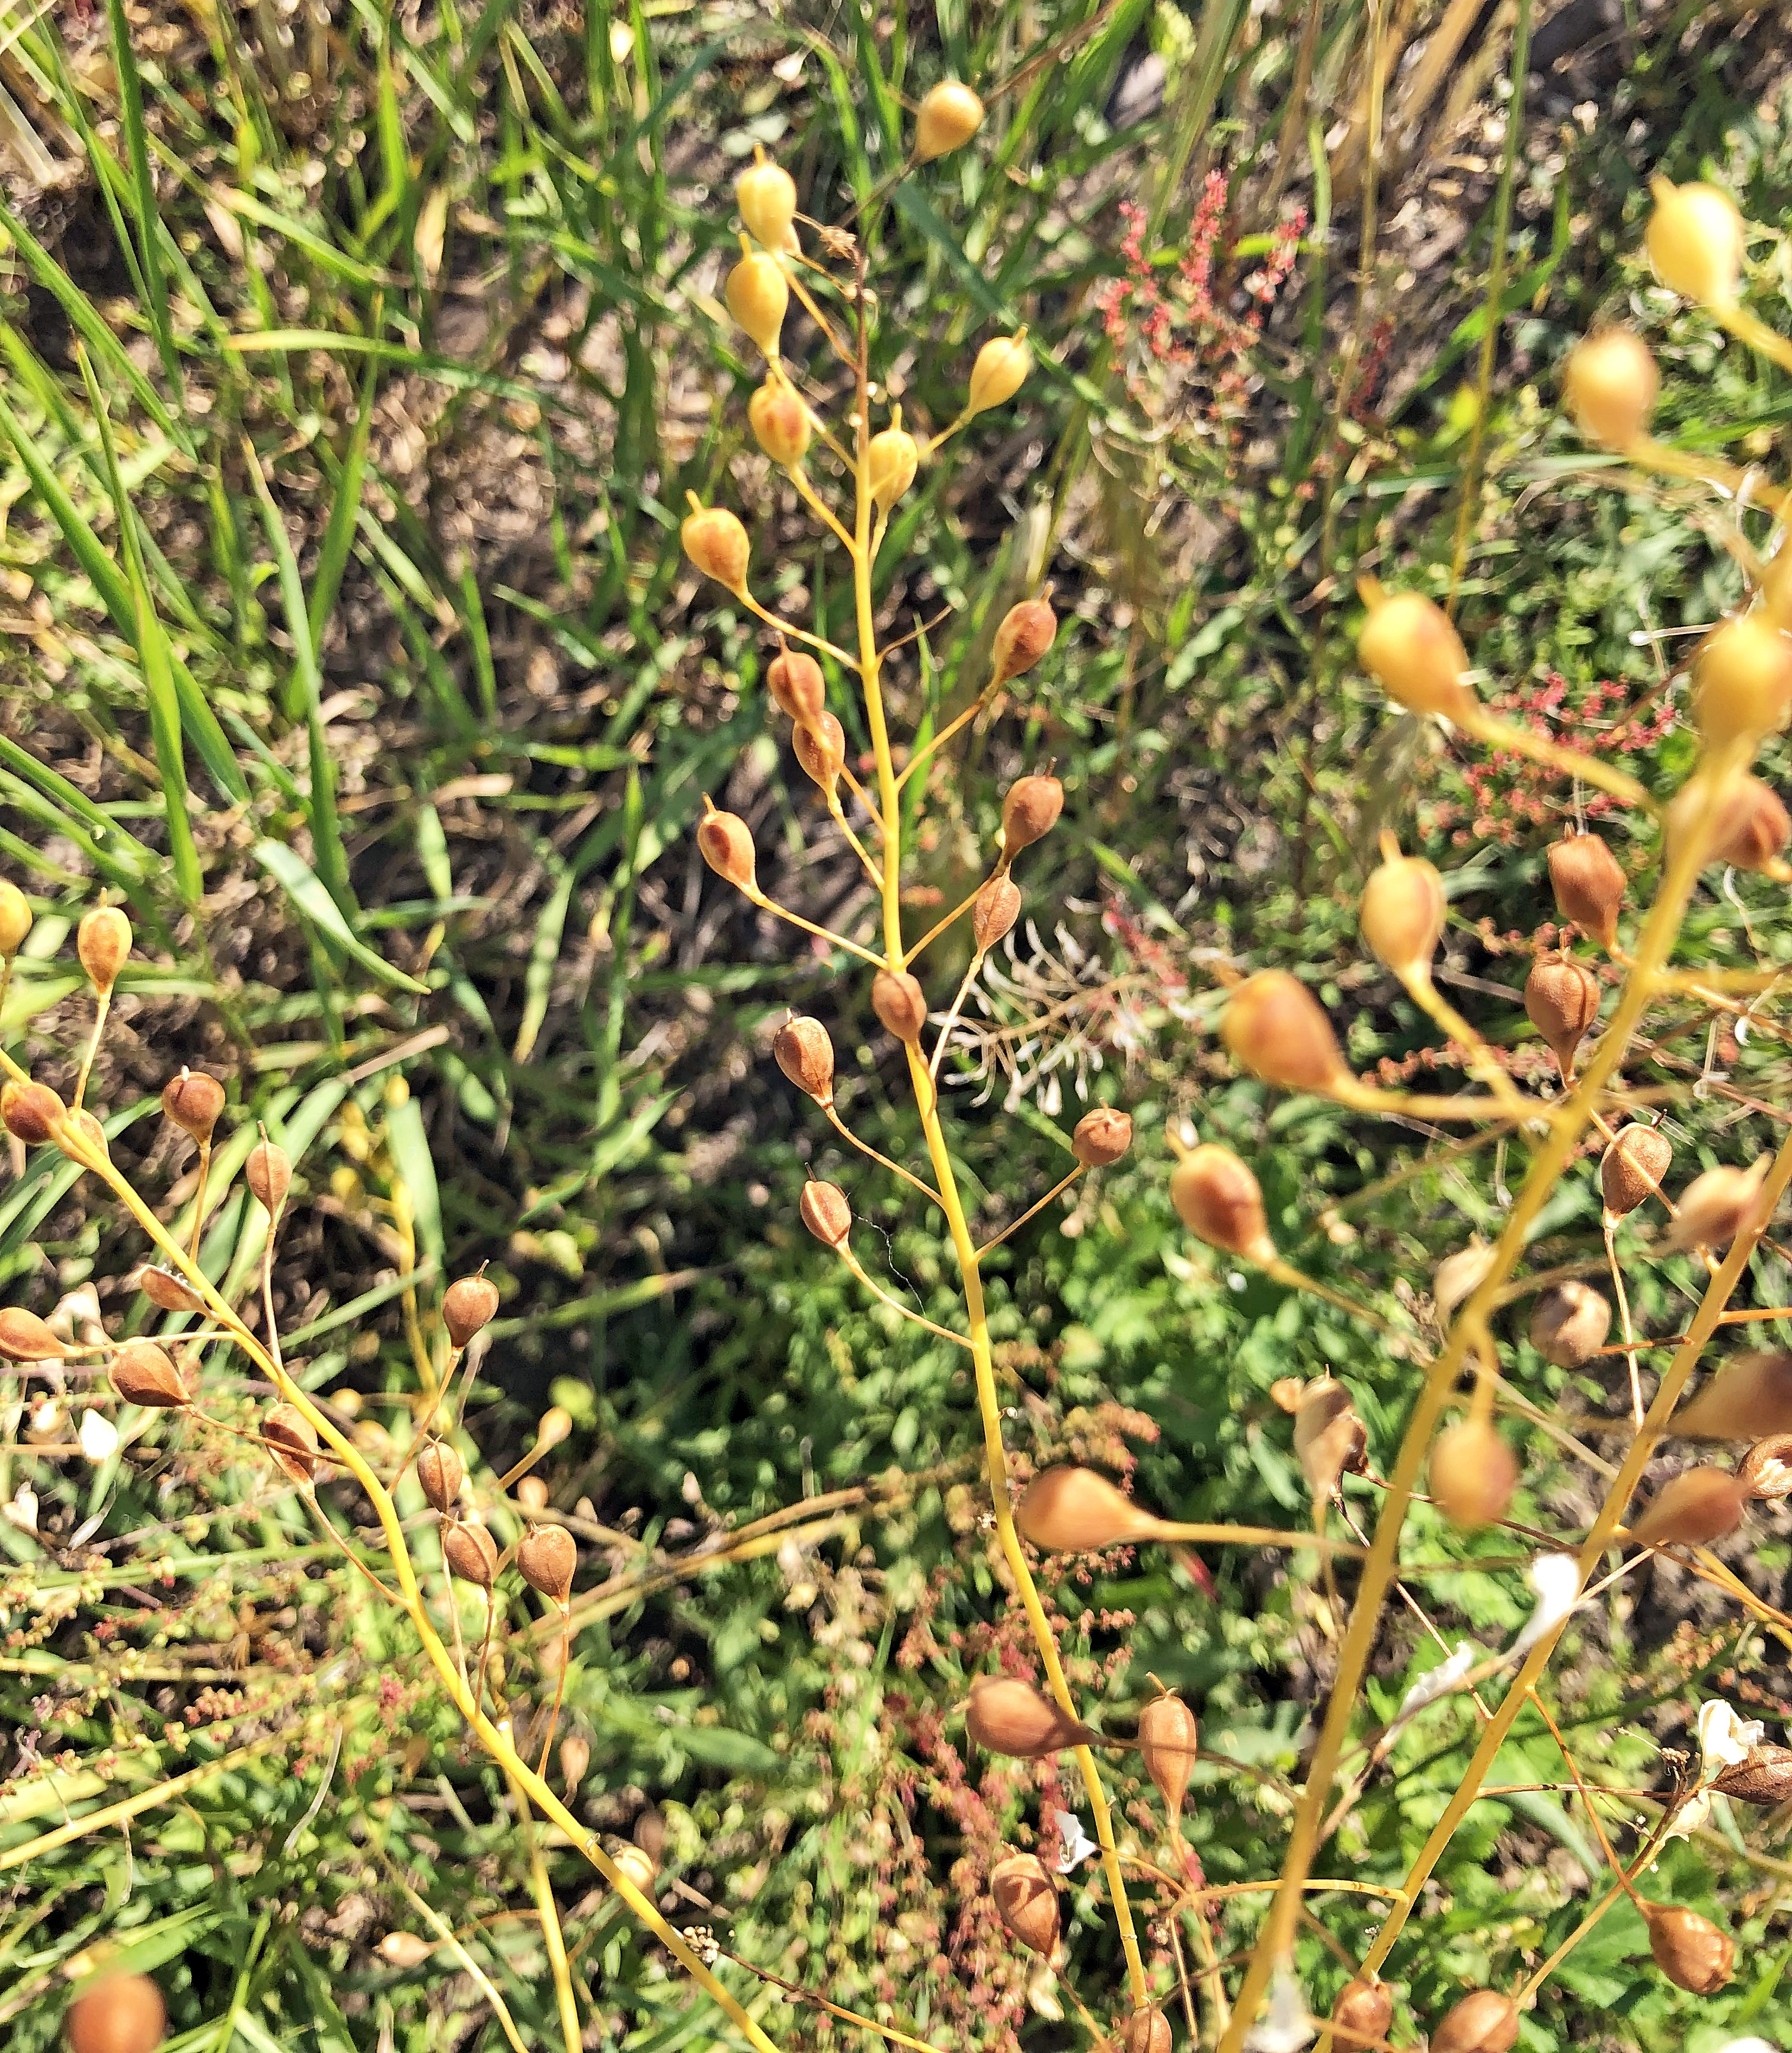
[(301, 884), (338, 536), (130, 108)]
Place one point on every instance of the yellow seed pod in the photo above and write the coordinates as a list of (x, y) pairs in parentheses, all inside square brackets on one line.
[(1742, 680), (1402, 914), (766, 194), (758, 297), (891, 459), (1695, 240), (780, 422), (15, 919), (716, 542), (1610, 387), (103, 941), (999, 371), (1408, 645), (949, 117)]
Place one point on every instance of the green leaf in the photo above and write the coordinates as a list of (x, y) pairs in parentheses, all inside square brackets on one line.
[(301, 883)]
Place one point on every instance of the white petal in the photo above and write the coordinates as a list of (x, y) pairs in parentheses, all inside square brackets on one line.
[(1724, 1739), (1438, 1683), (99, 1436), (1284, 2026), (1556, 1578), (1078, 1846)]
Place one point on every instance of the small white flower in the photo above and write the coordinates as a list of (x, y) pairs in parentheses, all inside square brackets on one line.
[(22, 1512), (1284, 2026), (1693, 1816), (1078, 1846), (99, 1436), (1724, 1739), (1438, 1682), (1556, 1578)]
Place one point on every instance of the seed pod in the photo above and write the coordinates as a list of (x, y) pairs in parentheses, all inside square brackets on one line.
[(1562, 1000), (1147, 2030), (1742, 680), (724, 841), (1218, 1199), (1483, 2021), (1766, 1470), (575, 1758), (547, 1559), (949, 117), (1007, 1716), (797, 685), (1718, 1207), (532, 1495), (86, 1124), (1569, 1324), (1696, 1507), (766, 194), (821, 748), (1029, 812), (1695, 238), (1589, 881), (289, 1438), (1168, 1739), (1329, 1436), (404, 1951), (269, 1174), (1610, 385), (1285, 1394), (999, 371), (1273, 1027), (892, 457), (25, 1338), (900, 1003), (1025, 632), (1762, 1776), (168, 1292), (716, 544), (1408, 645), (194, 1102), (15, 919), (1076, 1511), (1101, 1137), (826, 1212), (441, 1471), (29, 1111), (1633, 1166), (143, 1374), (638, 1864), (1689, 1950), (471, 1552), (803, 1052), (1363, 2012), (103, 941), (468, 1306), (1752, 827), (1749, 1399), (780, 422), (1025, 1901), (759, 298), (117, 2014), (996, 908), (1402, 915), (1473, 1474)]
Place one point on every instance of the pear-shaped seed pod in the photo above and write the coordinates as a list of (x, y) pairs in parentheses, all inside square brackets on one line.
[(1749, 1399), (119, 2013), (269, 1174), (999, 371), (1168, 1741), (1695, 1507), (288, 1435), (1285, 1394), (716, 543), (194, 1102), (1026, 632), (1752, 827), (25, 1338), (1030, 811), (1742, 680), (1273, 1027), (638, 1865), (471, 1552), (143, 1374), (821, 748), (547, 1559), (29, 1111), (441, 1471), (1076, 1511), (1329, 1436), (759, 298), (797, 685), (724, 841), (103, 942), (1763, 1775), (900, 1003), (1005, 1715), (1402, 914), (1689, 1950), (1101, 1137), (168, 1292), (1633, 1166), (532, 1495), (1766, 1470), (1562, 999), (996, 908), (1025, 1901), (766, 194), (1363, 2014), (1695, 238), (1589, 882), (468, 1306), (803, 1052), (1459, 1277), (1719, 1208), (891, 459), (15, 919), (1483, 2021), (1147, 2031), (947, 118), (1610, 385), (404, 1950), (1408, 645), (1473, 1474), (827, 1212), (1569, 1324), (575, 1758), (780, 422), (1218, 1199)]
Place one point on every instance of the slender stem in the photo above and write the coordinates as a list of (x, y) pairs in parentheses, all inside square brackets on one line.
[(896, 1304), (817, 505), (1483, 1065), (1038, 1205), (951, 1022), (883, 1161), (199, 1197), (99, 1011), (939, 927), (1493, 733), (789, 627), (978, 704), (822, 933), (838, 814), (1193, 1535), (552, 1937), (1749, 328), (1647, 454), (1625, 1326)]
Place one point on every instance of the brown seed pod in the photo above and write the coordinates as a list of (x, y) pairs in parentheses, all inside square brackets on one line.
[(1752, 827), (1402, 914), (471, 1552), (103, 942), (1458, 1277), (1147, 2031), (1025, 1901), (724, 841), (1076, 1511), (291, 1440), (441, 1471), (780, 422), (797, 685), (1030, 811), (117, 2014), (1742, 680), (716, 544), (1329, 1437), (1025, 632), (547, 1559), (28, 1111), (993, 914), (1762, 1776), (25, 1338), (1168, 1741), (891, 459), (15, 919), (826, 1212), (1633, 1166), (1273, 1027), (638, 1865), (803, 1052), (1483, 2021), (821, 748), (143, 1374), (1562, 999), (1696, 1507), (532, 1495), (1473, 1474), (1689, 1950), (1363, 2012), (1101, 1137), (1748, 1399), (575, 1758), (1285, 1394), (1005, 1715), (1217, 1199), (1569, 1324), (468, 1306), (269, 1174), (947, 118), (1408, 645), (194, 1102), (1718, 1207), (900, 1003), (168, 1292), (1589, 882), (1766, 1469), (1610, 386)]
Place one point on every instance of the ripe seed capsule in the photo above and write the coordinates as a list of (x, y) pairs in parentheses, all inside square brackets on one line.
[(1696, 1507), (1562, 1001), (1102, 1137), (1408, 645), (547, 1559), (441, 1471), (289, 1437), (724, 841), (1473, 1474), (1695, 238), (1569, 1324), (1765, 1471), (891, 459), (899, 1002), (143, 1374), (1689, 1950), (759, 298), (468, 1306), (949, 117), (1329, 1436), (103, 941), (1363, 2012), (1749, 1399), (1025, 632), (117, 2014), (471, 1552), (1147, 2030), (826, 1212), (1076, 1511), (1007, 1716), (1273, 1027), (1167, 1740), (1483, 2021), (269, 1174), (1633, 1166), (999, 371), (1030, 811), (803, 1052), (821, 748), (1752, 827), (797, 686), (1218, 1199), (194, 1102), (766, 194), (716, 542), (532, 1495), (1459, 1277), (1589, 882), (1742, 680), (1763, 1775), (168, 1292), (575, 1758), (1025, 1901), (1402, 915), (25, 1338), (1610, 387), (996, 908), (29, 1111), (15, 919), (780, 422), (1717, 1207)]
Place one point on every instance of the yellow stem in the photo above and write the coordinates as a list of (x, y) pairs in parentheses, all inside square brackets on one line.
[(1493, 733), (822, 933), (883, 1161), (542, 1883), (1038, 1205), (896, 1304)]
